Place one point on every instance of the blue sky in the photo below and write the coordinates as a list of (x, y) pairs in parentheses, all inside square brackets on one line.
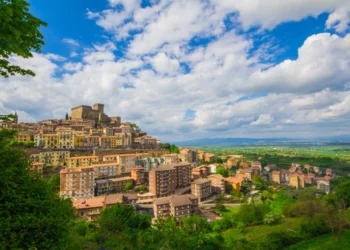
[(191, 69)]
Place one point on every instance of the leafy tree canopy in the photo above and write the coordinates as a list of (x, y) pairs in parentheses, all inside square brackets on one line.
[(19, 34), (32, 216)]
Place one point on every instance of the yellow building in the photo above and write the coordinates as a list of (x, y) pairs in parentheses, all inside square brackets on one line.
[(65, 138), (23, 136), (80, 161), (296, 180), (54, 158), (84, 140), (51, 141), (124, 139)]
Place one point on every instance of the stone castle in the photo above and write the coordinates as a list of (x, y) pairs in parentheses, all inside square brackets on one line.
[(95, 113)]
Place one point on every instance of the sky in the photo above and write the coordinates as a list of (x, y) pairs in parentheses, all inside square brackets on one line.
[(187, 69)]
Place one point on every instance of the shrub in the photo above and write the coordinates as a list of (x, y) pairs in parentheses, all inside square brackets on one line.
[(272, 218)]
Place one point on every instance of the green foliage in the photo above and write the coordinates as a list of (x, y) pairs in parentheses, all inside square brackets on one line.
[(143, 188), (222, 171), (31, 214), (272, 218), (19, 35), (67, 116), (280, 240), (314, 226), (343, 193), (251, 214), (128, 186), (54, 182), (259, 182), (174, 149)]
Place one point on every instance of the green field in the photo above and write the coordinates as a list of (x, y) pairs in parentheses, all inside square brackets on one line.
[(325, 242)]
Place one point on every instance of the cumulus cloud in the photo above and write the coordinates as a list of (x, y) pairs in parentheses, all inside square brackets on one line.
[(268, 14), (339, 19), (323, 62), (165, 65), (306, 95)]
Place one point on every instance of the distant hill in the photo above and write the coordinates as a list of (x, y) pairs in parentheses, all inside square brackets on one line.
[(227, 142)]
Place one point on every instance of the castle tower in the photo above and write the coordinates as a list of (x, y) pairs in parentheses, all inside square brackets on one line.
[(99, 107)]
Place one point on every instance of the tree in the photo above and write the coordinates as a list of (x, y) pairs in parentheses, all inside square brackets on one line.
[(67, 116), (54, 182), (222, 171), (128, 186), (19, 35), (143, 188), (32, 216), (120, 227)]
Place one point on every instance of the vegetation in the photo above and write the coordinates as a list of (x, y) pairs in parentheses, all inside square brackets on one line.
[(19, 35), (32, 215), (171, 147)]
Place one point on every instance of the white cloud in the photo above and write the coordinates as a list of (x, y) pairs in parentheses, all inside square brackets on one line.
[(305, 96), (323, 62), (339, 19), (268, 14), (73, 54), (264, 119), (165, 65), (73, 66), (71, 41)]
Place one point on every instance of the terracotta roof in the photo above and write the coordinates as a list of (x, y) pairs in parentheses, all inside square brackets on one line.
[(105, 164), (180, 200), (82, 157), (234, 180), (89, 203)]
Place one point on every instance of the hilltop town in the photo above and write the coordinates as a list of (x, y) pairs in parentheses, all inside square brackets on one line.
[(102, 161)]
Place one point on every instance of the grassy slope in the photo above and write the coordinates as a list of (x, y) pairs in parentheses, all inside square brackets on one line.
[(326, 242), (258, 233)]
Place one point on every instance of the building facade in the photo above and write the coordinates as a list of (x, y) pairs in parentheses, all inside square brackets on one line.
[(77, 183)]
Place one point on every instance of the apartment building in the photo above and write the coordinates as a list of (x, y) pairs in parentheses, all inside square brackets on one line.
[(178, 206), (23, 136), (164, 180), (81, 161), (124, 140), (200, 172), (110, 158), (170, 158), (128, 161), (113, 185), (138, 175), (217, 183), (201, 188), (106, 170), (65, 137), (39, 140), (51, 141), (54, 158), (77, 183)]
